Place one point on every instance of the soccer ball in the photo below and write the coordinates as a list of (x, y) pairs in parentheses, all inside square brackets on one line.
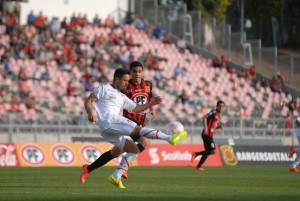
[(174, 127)]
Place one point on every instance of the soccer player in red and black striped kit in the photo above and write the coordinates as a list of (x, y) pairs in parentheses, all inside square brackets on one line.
[(140, 91), (211, 122)]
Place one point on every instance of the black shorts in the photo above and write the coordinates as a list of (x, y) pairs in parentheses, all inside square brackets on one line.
[(208, 142)]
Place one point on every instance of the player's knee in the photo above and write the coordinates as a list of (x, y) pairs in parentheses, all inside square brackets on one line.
[(115, 152), (131, 147), (136, 132), (144, 141)]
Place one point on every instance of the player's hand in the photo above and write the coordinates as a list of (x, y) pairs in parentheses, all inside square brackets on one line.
[(153, 115), (220, 126), (92, 118), (206, 131), (156, 100)]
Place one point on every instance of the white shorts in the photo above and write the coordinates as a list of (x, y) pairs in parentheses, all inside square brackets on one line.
[(119, 131)]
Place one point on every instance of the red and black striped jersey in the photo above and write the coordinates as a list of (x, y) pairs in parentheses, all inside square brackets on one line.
[(213, 118), (140, 93)]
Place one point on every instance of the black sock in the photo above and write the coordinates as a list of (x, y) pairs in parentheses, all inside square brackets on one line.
[(205, 152), (202, 160), (141, 147), (102, 160)]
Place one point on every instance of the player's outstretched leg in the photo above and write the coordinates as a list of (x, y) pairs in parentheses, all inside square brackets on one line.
[(151, 133)]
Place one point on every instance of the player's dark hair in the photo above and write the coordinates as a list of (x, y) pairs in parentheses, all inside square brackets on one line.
[(135, 64), (220, 102), (120, 72)]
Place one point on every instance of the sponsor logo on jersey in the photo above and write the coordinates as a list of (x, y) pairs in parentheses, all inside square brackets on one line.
[(63, 155), (33, 155), (112, 96), (140, 98)]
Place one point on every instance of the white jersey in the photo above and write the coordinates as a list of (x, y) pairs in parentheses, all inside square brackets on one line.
[(110, 104)]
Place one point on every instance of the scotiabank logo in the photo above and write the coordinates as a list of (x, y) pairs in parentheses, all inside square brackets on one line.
[(90, 153), (157, 157), (179, 155), (63, 155), (8, 155), (33, 155)]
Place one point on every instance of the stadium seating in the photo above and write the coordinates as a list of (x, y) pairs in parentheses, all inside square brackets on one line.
[(204, 83)]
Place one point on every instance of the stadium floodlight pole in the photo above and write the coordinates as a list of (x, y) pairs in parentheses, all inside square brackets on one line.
[(155, 12), (242, 21)]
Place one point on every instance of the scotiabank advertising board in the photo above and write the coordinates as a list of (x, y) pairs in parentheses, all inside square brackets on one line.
[(77, 154), (256, 155), (179, 155)]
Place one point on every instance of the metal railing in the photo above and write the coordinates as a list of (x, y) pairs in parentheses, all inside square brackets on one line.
[(247, 131), (219, 39)]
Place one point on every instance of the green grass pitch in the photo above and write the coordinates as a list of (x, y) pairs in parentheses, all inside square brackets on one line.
[(261, 183)]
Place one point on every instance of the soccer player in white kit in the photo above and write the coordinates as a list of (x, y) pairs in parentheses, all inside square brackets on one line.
[(296, 150), (108, 103)]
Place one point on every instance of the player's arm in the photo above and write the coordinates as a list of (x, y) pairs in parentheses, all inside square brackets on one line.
[(204, 121), (152, 108), (88, 105), (152, 112), (154, 101), (220, 125)]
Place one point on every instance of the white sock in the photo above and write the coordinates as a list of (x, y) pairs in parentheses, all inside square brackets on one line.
[(124, 165), (151, 133), (296, 162)]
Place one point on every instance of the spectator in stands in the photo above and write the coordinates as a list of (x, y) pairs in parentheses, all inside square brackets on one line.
[(64, 24), (159, 78), (178, 71), (1, 18), (217, 62), (29, 101), (15, 101), (45, 75), (292, 105), (167, 38), (185, 99), (158, 33), (181, 45), (11, 23), (40, 22), (23, 88), (128, 18), (288, 120), (140, 23), (5, 97), (97, 20), (22, 75), (7, 70), (148, 60), (286, 99), (263, 81), (71, 90), (30, 18), (109, 22), (276, 85)]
